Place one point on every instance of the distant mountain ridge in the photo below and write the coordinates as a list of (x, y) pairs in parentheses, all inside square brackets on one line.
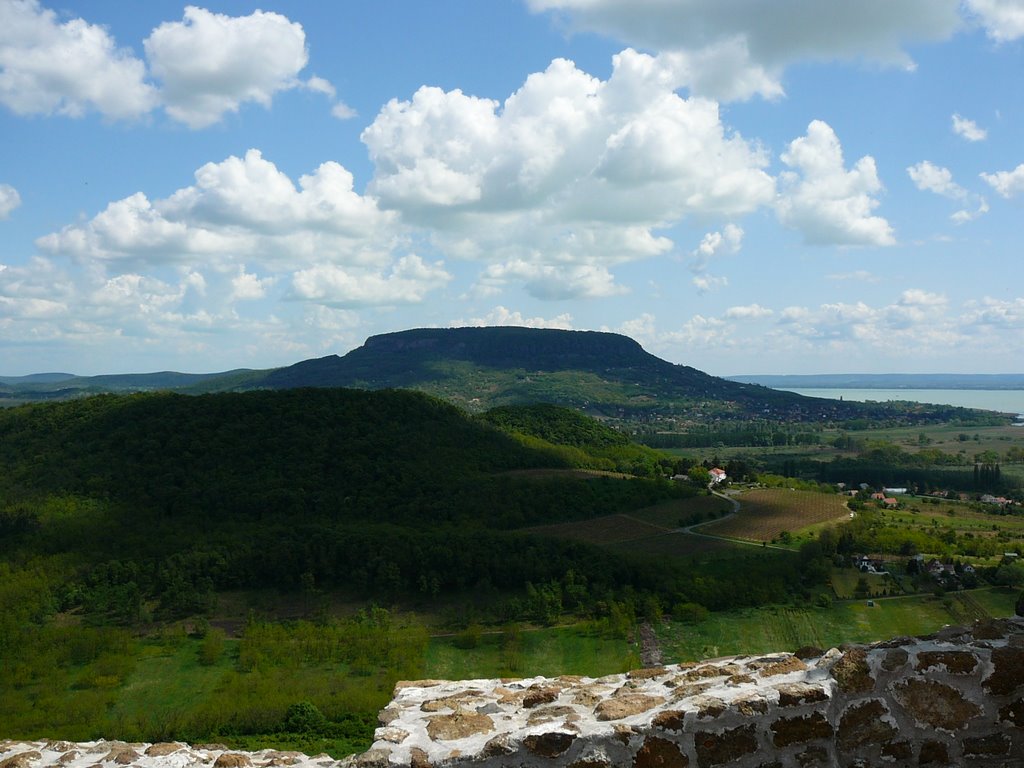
[(888, 380), (602, 374)]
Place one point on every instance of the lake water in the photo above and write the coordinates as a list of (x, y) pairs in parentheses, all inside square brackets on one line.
[(1004, 400)]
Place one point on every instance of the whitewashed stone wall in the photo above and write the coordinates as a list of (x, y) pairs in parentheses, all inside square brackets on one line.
[(952, 699)]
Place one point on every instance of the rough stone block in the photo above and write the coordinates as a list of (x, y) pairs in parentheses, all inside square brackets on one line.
[(722, 748), (659, 753), (935, 704), (796, 730)]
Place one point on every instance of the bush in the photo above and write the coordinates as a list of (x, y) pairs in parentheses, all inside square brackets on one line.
[(304, 717)]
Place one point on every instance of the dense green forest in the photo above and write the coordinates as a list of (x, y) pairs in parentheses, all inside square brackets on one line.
[(123, 515)]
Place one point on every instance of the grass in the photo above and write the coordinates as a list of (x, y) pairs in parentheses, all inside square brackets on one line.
[(763, 630), (550, 652)]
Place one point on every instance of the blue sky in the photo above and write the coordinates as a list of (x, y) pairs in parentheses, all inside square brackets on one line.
[(741, 186)]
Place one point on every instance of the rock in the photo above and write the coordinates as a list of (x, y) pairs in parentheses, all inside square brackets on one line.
[(993, 745), (852, 673), (458, 726), (549, 714), (813, 757), (164, 748), (1013, 713), (232, 760), (68, 757), (499, 745), (391, 734), (774, 667), (669, 720), (955, 662), (795, 694), (659, 753), (646, 673), (935, 704), (708, 706), (122, 755), (548, 744), (721, 748), (933, 753), (863, 724), (627, 705), (21, 760), (796, 730), (418, 758), (1007, 671), (537, 695)]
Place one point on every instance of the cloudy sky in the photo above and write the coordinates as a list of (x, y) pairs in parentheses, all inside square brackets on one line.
[(745, 186)]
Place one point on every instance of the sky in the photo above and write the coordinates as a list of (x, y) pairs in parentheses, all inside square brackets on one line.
[(743, 186)]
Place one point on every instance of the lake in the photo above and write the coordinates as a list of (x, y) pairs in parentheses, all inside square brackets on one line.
[(1004, 400)]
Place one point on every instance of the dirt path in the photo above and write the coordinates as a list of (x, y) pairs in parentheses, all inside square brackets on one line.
[(650, 651)]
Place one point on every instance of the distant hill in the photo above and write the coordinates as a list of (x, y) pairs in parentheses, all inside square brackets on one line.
[(600, 373), (606, 375), (888, 380)]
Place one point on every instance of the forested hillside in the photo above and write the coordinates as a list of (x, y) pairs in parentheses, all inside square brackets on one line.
[(156, 502)]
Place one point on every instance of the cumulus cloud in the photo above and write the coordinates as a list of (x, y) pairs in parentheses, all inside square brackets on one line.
[(568, 176), (210, 63), (990, 313), (828, 204), (9, 200), (933, 178), (748, 312), (238, 206), (712, 245), (554, 282), (741, 48), (1006, 183), (1003, 20), (502, 316), (71, 68), (968, 129), (407, 282)]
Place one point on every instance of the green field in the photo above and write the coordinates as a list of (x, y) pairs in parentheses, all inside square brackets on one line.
[(786, 629), (579, 650)]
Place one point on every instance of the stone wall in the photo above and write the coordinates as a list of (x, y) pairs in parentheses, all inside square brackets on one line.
[(954, 698)]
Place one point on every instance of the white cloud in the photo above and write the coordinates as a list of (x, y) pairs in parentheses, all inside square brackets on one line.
[(712, 245), (554, 282), (408, 282), (740, 48), (1003, 20), (968, 129), (210, 64), (965, 215), (706, 283), (748, 312), (502, 316), (9, 200), (568, 176), (246, 286), (1006, 183), (992, 313), (343, 111), (240, 207), (728, 240), (933, 178), (826, 203), (70, 68), (320, 85)]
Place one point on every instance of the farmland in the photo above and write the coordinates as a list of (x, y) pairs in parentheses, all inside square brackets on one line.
[(766, 513)]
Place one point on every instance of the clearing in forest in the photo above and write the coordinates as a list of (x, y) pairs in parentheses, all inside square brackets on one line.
[(767, 512)]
